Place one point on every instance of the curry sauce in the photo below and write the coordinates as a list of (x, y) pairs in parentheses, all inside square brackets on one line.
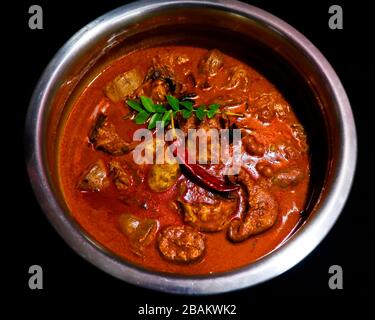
[(184, 228)]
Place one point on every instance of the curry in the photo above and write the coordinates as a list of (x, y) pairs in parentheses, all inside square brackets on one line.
[(177, 217)]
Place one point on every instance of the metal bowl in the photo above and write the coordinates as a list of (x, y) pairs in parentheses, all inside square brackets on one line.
[(280, 52)]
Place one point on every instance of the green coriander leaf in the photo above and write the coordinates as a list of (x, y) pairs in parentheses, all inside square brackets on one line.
[(173, 102), (186, 113), (141, 117), (201, 112), (148, 104), (156, 117), (166, 118), (134, 105), (159, 108), (187, 104)]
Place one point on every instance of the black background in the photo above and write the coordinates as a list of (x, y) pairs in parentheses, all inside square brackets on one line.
[(69, 280)]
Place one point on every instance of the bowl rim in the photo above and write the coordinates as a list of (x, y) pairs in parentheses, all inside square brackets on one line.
[(270, 266)]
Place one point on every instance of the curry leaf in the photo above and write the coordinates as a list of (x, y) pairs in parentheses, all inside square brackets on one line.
[(173, 102), (141, 117), (186, 114), (148, 104), (156, 117), (166, 118), (187, 104), (212, 109), (200, 112), (167, 113), (213, 106), (135, 105), (159, 108)]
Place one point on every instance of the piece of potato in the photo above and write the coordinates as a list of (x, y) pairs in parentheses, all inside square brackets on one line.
[(163, 176), (94, 178), (123, 85), (140, 232)]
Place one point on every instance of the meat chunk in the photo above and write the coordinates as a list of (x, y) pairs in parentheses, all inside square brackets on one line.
[(261, 214), (268, 106), (300, 135), (186, 124), (211, 154), (121, 178), (140, 232), (104, 137), (237, 78), (290, 152), (209, 217), (94, 178), (157, 90), (123, 85), (264, 107), (163, 176), (159, 71), (211, 63), (181, 244), (288, 178), (159, 82), (205, 210)]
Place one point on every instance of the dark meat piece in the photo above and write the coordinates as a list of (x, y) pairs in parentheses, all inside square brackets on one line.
[(220, 121), (159, 82), (186, 124), (266, 114), (163, 176), (104, 137), (120, 177), (140, 232), (211, 154), (289, 152), (211, 63), (157, 90), (205, 210), (209, 217), (288, 178), (94, 178), (262, 211), (268, 106), (123, 85), (158, 71), (264, 107), (300, 135), (181, 244), (237, 78)]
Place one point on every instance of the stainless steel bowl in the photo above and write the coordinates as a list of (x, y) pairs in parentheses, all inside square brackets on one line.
[(273, 46)]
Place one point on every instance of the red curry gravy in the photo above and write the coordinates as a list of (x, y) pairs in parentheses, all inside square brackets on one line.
[(267, 116)]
